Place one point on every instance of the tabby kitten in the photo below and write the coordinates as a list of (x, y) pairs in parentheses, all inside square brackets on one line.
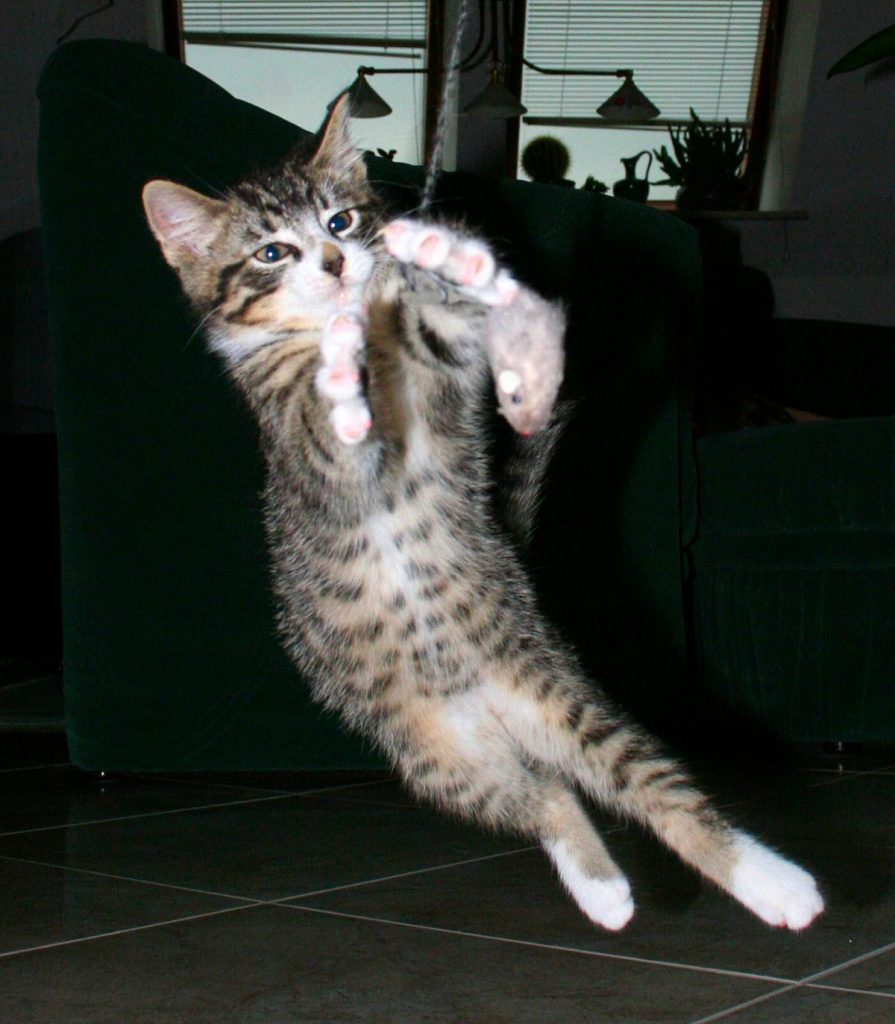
[(365, 349)]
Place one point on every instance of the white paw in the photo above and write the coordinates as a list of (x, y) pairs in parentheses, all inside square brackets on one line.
[(463, 262), (339, 382), (339, 375), (606, 901), (343, 335), (778, 891), (351, 420)]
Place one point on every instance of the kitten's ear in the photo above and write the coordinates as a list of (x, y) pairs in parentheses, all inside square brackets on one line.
[(335, 150), (185, 222)]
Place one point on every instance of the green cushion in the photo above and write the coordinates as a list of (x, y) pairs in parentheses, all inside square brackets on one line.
[(803, 480), (795, 577)]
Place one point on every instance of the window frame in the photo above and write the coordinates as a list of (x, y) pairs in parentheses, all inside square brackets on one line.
[(758, 129), (175, 39)]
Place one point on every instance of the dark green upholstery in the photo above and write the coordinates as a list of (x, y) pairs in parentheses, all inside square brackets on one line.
[(794, 565), (170, 657)]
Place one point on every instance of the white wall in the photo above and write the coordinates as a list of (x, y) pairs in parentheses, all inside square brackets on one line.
[(832, 153), (28, 31)]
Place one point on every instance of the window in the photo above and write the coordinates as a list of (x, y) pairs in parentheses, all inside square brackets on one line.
[(704, 54), (292, 57)]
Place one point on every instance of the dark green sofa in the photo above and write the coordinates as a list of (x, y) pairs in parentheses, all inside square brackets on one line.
[(170, 657), (794, 558)]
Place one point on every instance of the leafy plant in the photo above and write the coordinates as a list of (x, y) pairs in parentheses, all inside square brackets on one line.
[(877, 47), (705, 155)]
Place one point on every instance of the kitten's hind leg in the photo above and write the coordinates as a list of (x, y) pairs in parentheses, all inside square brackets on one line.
[(623, 767), (475, 770), (629, 770), (582, 861), (523, 332)]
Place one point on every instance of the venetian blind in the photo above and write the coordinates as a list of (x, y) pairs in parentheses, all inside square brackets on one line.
[(685, 53), (384, 22)]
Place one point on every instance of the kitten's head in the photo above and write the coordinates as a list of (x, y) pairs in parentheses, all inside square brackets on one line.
[(271, 256)]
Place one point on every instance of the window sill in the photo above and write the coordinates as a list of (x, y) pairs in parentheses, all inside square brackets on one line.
[(751, 215)]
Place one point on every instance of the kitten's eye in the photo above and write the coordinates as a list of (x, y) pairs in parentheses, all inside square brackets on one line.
[(341, 222), (273, 252)]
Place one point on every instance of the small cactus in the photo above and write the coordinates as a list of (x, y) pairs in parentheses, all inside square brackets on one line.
[(545, 159)]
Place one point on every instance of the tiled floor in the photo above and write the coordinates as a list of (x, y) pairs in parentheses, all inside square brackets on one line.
[(282, 899)]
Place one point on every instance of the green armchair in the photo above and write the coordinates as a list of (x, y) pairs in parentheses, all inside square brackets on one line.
[(170, 654), (794, 558)]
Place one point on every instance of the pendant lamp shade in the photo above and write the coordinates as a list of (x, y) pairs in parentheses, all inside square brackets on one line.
[(628, 104), (364, 101), (495, 100)]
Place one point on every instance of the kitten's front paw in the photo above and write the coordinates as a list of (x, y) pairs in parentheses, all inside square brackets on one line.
[(339, 377), (463, 262), (776, 890), (523, 334), (351, 420)]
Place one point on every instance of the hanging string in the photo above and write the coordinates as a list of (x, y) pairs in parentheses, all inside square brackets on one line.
[(448, 90), (89, 14)]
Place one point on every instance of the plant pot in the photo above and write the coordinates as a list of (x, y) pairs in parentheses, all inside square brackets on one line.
[(726, 196)]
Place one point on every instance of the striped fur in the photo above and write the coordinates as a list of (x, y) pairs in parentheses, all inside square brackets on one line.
[(401, 592)]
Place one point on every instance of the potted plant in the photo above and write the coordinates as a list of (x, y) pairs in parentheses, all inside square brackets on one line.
[(706, 165), (879, 46), (546, 159)]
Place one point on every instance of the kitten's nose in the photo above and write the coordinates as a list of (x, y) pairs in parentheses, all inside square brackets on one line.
[(332, 260)]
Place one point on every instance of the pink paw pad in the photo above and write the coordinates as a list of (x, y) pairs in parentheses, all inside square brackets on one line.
[(475, 267), (347, 324), (431, 249), (506, 289), (342, 338), (339, 382), (398, 235), (351, 421)]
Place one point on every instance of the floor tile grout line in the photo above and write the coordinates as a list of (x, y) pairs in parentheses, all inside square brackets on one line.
[(847, 773), (152, 814), (871, 954), (850, 991), (802, 983), (764, 798), (255, 901), (172, 780), (277, 790), (788, 985), (731, 1010), (552, 947), (112, 876), (839, 778), (270, 796), (46, 946), (35, 767), (401, 874)]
